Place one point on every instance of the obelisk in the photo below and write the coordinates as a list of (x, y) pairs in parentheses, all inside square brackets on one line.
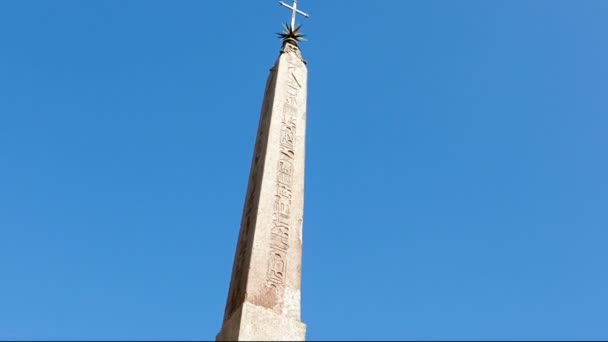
[(264, 297)]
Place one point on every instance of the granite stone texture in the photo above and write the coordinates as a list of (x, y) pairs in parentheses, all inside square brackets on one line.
[(264, 297)]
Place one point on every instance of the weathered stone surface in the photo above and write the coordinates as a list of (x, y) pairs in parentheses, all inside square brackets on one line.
[(254, 323), (264, 296)]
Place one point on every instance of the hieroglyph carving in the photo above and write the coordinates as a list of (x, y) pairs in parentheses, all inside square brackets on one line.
[(289, 48), (282, 215)]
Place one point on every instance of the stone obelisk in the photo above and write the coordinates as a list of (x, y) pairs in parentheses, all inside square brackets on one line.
[(264, 297)]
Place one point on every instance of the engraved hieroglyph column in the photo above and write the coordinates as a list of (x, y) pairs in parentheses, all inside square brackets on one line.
[(264, 296)]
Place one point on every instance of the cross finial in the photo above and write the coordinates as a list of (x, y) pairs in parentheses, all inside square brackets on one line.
[(294, 12)]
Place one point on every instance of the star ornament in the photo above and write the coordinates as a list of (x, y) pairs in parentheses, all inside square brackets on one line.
[(291, 34)]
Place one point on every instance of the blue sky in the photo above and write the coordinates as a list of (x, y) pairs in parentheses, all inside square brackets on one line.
[(456, 182)]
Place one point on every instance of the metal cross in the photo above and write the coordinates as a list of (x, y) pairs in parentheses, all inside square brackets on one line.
[(294, 12)]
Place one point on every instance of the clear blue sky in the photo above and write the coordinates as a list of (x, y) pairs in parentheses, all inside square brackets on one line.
[(456, 179)]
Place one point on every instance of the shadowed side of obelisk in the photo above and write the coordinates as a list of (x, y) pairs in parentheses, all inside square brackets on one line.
[(264, 296), (242, 258)]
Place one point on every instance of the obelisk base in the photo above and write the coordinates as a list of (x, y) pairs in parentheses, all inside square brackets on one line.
[(254, 323)]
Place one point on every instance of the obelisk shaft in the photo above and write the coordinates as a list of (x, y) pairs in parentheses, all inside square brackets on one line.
[(264, 296)]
